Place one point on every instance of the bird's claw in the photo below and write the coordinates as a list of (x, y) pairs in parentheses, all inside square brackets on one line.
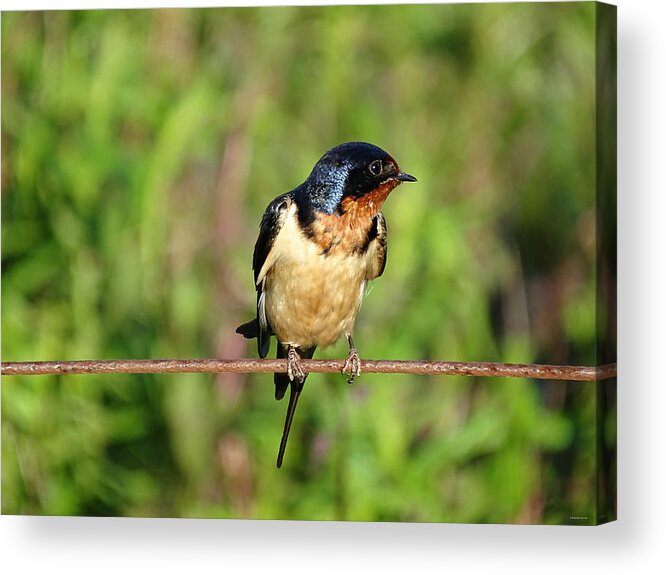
[(352, 366), (294, 369)]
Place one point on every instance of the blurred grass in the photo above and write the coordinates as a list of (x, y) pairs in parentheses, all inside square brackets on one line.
[(139, 151)]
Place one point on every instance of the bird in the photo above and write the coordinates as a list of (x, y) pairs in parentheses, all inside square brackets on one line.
[(318, 247)]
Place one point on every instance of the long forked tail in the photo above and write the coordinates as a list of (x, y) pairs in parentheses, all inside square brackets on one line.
[(294, 394), (295, 388)]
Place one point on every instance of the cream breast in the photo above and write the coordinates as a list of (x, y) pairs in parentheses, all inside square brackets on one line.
[(310, 298)]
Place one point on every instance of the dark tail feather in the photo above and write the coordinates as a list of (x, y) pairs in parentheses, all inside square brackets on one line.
[(249, 330), (294, 394), (281, 379)]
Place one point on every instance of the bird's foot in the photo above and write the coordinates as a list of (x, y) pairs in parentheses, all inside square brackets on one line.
[(294, 369), (352, 366)]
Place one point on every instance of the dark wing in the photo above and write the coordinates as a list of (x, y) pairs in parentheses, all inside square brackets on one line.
[(271, 224), (377, 248)]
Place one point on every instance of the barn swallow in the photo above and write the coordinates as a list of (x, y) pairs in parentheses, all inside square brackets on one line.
[(318, 247)]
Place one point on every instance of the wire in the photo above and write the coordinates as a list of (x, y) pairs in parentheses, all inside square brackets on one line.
[(477, 369)]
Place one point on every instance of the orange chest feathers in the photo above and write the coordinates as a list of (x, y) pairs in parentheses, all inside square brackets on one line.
[(348, 231)]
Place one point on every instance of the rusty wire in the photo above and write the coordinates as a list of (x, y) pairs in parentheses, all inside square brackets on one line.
[(477, 369)]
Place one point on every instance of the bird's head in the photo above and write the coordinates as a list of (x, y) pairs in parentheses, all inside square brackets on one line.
[(352, 172)]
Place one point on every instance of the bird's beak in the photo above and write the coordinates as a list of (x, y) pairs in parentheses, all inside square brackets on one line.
[(405, 177)]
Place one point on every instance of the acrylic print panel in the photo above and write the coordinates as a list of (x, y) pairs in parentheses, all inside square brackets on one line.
[(140, 150)]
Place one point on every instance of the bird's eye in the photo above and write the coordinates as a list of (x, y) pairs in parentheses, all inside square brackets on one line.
[(375, 167)]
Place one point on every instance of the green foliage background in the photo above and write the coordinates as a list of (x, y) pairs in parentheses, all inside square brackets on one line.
[(139, 151)]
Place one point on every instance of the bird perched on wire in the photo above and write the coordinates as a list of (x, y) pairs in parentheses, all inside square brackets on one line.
[(318, 247)]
